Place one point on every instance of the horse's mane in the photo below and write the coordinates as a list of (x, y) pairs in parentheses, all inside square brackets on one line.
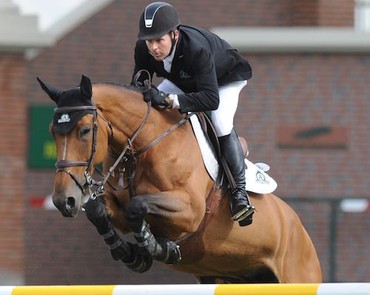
[(120, 85)]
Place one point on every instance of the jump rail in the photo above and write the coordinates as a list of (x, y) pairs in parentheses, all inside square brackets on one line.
[(211, 289)]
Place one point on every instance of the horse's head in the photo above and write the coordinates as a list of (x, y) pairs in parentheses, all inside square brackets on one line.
[(74, 129)]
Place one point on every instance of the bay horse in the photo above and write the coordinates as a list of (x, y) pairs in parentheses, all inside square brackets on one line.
[(154, 185)]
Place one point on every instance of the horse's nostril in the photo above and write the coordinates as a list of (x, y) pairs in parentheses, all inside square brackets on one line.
[(71, 202)]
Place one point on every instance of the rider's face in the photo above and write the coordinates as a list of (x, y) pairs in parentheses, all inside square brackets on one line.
[(160, 48)]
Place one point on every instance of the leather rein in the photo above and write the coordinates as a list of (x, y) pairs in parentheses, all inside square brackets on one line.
[(127, 157)]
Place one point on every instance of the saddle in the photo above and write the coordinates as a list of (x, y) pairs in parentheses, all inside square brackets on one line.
[(258, 181), (211, 136)]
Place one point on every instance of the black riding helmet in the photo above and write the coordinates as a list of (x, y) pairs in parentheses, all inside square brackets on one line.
[(157, 19)]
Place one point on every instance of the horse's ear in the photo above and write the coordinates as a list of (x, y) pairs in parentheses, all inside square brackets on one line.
[(85, 87), (50, 90)]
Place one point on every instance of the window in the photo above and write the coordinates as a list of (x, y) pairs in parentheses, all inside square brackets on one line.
[(362, 15)]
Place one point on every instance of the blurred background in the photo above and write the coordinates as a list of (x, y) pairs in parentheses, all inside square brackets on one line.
[(305, 112)]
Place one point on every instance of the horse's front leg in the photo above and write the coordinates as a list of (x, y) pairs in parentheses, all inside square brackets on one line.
[(120, 250), (171, 210), (161, 249)]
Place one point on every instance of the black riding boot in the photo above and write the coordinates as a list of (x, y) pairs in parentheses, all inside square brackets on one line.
[(232, 152)]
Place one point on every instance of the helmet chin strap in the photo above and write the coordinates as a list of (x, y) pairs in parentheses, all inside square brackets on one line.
[(173, 41)]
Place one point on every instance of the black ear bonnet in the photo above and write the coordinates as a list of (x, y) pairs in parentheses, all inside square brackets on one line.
[(64, 122), (65, 117)]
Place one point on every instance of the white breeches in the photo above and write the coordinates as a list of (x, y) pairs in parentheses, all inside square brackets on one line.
[(223, 117)]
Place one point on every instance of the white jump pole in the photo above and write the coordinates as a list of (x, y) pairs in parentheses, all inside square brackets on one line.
[(190, 289)]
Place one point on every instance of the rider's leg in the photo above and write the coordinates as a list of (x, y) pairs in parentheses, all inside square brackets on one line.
[(233, 154), (231, 149)]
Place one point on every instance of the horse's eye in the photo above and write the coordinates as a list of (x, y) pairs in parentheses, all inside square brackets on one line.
[(84, 131)]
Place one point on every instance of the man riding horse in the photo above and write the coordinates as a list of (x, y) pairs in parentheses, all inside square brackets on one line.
[(174, 208), (202, 73)]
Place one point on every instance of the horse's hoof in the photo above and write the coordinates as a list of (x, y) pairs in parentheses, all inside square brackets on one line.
[(141, 263), (171, 251)]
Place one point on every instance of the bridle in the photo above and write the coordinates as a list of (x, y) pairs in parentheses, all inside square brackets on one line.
[(127, 156), (63, 165)]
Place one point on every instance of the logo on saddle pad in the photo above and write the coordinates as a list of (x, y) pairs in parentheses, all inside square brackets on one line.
[(261, 178), (64, 118)]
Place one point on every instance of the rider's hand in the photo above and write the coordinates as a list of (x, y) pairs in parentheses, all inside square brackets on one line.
[(158, 98)]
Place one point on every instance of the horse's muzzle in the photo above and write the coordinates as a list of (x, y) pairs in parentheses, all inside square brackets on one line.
[(67, 206)]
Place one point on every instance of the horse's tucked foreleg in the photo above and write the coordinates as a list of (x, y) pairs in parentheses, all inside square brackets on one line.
[(120, 250), (160, 249)]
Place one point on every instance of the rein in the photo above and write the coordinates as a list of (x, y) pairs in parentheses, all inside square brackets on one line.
[(127, 148), (162, 136), (134, 155)]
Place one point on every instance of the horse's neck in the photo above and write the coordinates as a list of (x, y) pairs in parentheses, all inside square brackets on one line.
[(126, 110), (177, 152)]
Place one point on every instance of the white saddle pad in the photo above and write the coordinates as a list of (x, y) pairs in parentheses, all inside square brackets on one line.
[(258, 181)]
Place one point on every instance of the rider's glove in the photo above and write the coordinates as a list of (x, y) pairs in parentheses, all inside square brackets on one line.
[(158, 98)]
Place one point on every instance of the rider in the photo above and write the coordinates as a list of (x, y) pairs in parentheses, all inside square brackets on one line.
[(201, 73)]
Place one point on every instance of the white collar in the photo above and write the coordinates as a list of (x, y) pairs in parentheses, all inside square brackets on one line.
[(167, 62)]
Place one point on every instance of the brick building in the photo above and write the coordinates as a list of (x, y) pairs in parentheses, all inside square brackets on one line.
[(305, 112)]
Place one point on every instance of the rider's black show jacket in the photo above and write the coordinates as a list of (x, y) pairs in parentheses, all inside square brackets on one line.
[(202, 62)]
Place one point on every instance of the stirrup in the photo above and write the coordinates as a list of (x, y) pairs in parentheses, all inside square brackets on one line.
[(243, 214)]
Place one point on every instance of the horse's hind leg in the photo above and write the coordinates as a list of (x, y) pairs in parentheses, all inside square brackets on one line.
[(120, 250)]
